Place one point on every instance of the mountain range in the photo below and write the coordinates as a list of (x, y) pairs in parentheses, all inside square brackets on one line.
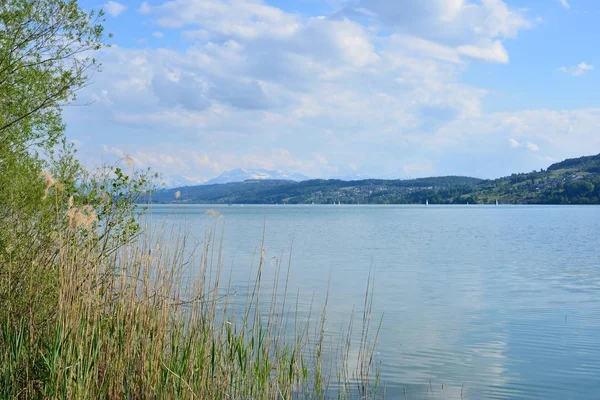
[(175, 181), (241, 175), (244, 174), (572, 181)]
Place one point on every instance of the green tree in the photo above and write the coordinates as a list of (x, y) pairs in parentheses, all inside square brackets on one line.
[(46, 51), (578, 188), (46, 56)]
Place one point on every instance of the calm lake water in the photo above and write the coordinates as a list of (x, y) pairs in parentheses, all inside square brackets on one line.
[(494, 302)]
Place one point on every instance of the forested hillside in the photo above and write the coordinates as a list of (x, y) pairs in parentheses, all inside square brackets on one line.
[(572, 181), (369, 191)]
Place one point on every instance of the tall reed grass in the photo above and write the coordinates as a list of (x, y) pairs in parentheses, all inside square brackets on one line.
[(159, 319)]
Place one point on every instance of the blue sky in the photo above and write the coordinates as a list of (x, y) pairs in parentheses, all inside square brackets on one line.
[(381, 88)]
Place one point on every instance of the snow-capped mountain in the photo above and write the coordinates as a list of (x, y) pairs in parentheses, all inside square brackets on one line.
[(175, 181), (240, 175)]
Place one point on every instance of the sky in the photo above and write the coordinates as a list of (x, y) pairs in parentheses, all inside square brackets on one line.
[(325, 88)]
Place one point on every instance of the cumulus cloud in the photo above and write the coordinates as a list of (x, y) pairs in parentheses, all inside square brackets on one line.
[(378, 86), (158, 34), (577, 70), (450, 28), (450, 21), (234, 18), (113, 8)]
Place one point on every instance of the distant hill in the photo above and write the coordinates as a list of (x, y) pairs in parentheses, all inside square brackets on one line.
[(584, 164), (316, 191), (572, 181), (241, 175)]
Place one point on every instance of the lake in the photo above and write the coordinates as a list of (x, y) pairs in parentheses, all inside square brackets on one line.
[(498, 302)]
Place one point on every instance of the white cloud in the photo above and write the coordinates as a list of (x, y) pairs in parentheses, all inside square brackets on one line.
[(451, 21), (114, 8), (158, 34), (532, 146), (448, 29), (386, 97), (515, 145), (346, 39), (577, 70), (565, 4), (492, 52), (235, 18), (471, 29)]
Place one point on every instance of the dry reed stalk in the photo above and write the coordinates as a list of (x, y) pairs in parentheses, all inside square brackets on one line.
[(134, 325)]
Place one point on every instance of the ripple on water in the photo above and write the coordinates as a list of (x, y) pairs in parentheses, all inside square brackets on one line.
[(477, 302)]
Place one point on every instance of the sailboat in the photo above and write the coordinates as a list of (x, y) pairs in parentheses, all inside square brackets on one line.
[(496, 201), (426, 202)]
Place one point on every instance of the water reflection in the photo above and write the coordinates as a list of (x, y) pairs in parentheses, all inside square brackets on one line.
[(478, 302)]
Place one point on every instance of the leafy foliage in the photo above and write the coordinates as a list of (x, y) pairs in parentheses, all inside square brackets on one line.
[(45, 58)]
